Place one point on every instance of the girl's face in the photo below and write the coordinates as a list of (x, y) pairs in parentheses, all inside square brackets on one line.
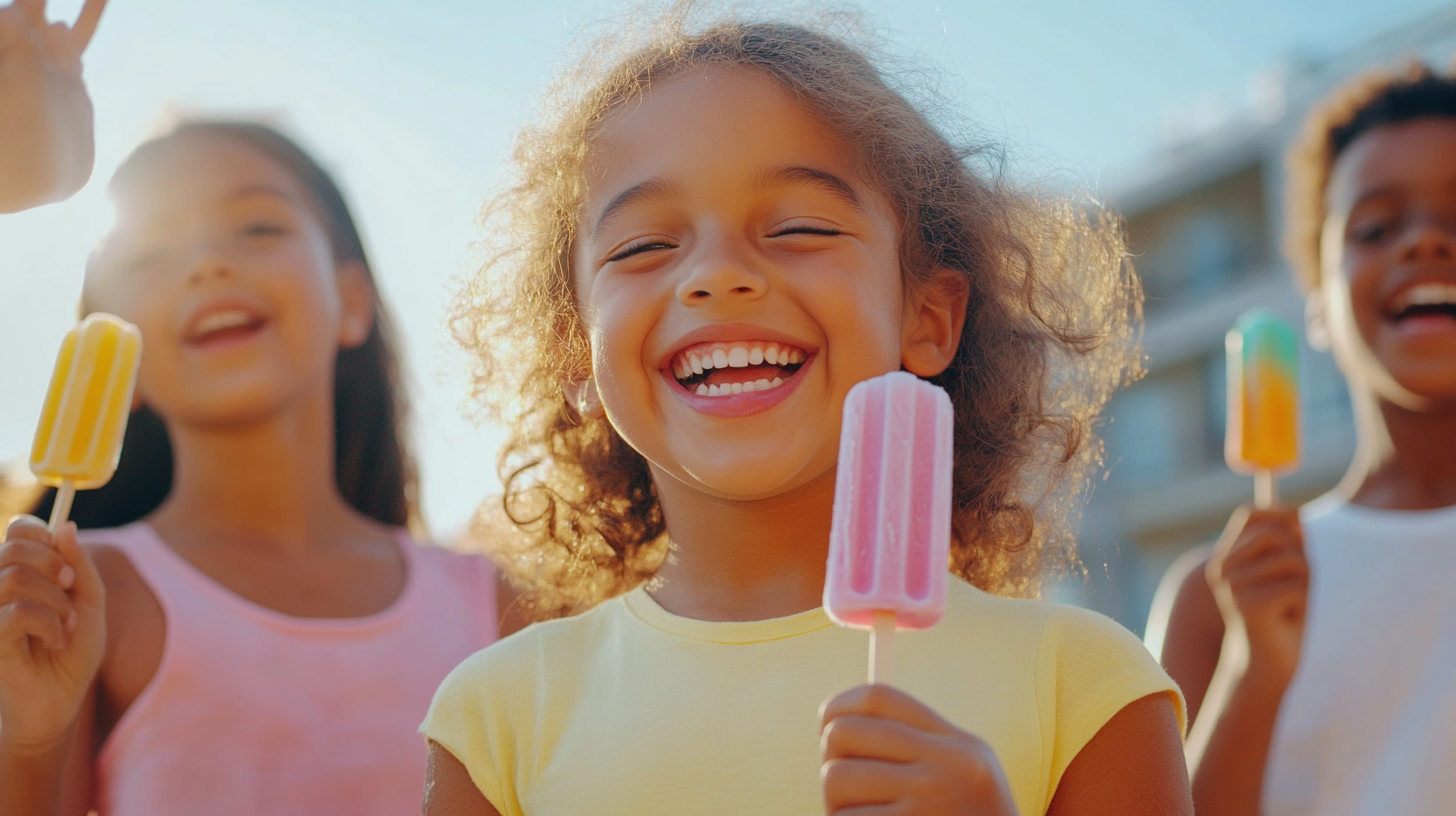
[(1389, 251), (737, 276), (220, 259)]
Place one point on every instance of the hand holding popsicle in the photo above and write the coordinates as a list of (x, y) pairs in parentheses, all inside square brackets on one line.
[(52, 634), (52, 603)]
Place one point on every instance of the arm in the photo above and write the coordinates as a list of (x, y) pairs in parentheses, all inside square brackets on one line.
[(1260, 580), (1133, 765), (449, 790), (52, 635), (1193, 630)]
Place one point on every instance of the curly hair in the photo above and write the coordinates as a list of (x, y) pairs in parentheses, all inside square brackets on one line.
[(1050, 330), (1377, 99)]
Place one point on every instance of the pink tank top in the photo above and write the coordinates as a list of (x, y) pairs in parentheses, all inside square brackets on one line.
[(255, 712)]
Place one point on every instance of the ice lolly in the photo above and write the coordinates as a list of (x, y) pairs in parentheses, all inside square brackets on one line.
[(889, 542), (78, 440), (1263, 400)]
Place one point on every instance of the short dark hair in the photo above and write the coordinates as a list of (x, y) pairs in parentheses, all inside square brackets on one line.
[(1375, 100)]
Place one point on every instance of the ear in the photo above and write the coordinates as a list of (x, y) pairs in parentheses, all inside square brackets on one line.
[(1316, 328), (356, 304), (582, 394), (935, 314)]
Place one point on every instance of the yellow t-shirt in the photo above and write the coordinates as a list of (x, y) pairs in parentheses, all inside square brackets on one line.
[(629, 709)]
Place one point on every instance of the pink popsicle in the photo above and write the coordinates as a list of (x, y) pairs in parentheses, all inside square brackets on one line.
[(889, 543)]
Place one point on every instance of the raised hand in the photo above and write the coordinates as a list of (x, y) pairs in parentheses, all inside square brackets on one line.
[(52, 634), (1260, 578), (47, 139), (886, 752)]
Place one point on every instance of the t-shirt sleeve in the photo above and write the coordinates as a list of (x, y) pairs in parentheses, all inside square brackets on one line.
[(1091, 667), (469, 718)]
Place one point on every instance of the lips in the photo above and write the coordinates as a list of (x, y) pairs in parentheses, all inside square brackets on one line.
[(1423, 300), (219, 323)]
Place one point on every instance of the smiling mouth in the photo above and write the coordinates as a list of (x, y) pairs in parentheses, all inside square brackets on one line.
[(1426, 300), (225, 325), (725, 369)]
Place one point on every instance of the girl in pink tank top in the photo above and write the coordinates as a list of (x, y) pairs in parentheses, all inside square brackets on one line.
[(245, 626)]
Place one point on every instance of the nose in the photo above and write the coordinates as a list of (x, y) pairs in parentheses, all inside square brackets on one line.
[(720, 274), (208, 264), (1427, 239)]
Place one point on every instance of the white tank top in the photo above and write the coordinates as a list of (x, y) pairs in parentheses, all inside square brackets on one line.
[(1369, 724)]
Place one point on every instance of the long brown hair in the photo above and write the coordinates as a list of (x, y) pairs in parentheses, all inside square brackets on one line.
[(372, 462), (1049, 331)]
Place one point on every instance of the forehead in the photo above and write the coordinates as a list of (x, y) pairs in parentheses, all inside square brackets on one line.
[(729, 116), (1408, 159), (195, 169)]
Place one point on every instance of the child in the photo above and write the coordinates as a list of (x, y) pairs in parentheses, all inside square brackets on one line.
[(46, 141), (1335, 691), (758, 191), (269, 635)]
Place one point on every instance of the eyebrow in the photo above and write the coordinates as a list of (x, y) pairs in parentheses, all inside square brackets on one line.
[(652, 188), (811, 177), (258, 189)]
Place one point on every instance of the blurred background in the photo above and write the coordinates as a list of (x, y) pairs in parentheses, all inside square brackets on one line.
[(1177, 114)]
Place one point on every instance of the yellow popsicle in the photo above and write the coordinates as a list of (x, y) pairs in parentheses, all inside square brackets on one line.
[(78, 440), (1263, 398)]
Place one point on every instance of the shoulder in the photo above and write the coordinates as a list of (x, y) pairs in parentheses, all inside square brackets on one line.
[(524, 662)]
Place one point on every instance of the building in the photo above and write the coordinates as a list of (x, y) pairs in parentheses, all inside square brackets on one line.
[(1204, 225)]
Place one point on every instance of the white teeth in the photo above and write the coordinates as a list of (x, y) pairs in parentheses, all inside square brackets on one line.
[(755, 356), (762, 385), (1428, 294), (217, 321), (738, 388), (720, 358), (713, 390), (777, 381), (771, 355), (696, 362), (738, 357), (702, 390)]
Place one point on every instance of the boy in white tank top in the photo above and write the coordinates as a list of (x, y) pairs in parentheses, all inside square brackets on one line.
[(1325, 638)]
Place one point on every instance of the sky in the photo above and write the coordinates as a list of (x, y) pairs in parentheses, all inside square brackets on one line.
[(413, 106)]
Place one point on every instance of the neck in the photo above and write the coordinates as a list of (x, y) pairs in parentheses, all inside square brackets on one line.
[(1404, 459), (739, 561), (268, 482)]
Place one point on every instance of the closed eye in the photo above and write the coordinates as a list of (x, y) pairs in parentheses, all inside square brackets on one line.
[(639, 248), (805, 230), (262, 229)]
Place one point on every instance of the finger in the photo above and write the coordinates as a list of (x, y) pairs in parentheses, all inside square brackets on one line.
[(28, 527), (39, 557), (85, 27), (851, 782), (34, 11), (25, 618), (887, 702), (1258, 545), (87, 591), (1259, 555), (1278, 566), (855, 735), (13, 26), (20, 583), (1246, 518)]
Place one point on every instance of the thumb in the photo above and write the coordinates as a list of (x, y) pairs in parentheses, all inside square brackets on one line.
[(88, 591)]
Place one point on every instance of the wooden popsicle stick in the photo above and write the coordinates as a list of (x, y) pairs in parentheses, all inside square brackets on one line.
[(882, 647), (1266, 489), (61, 510)]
